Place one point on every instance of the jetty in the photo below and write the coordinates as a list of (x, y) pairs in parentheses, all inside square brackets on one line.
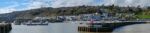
[(107, 27), (5, 27)]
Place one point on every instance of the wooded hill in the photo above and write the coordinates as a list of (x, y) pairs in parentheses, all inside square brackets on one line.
[(49, 11)]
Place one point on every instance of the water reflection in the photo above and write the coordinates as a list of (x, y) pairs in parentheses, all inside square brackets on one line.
[(51, 28), (137, 28), (72, 28)]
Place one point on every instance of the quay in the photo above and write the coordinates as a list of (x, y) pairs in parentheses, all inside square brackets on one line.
[(5, 27), (106, 27)]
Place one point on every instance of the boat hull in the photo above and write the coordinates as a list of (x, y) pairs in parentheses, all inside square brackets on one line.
[(36, 24)]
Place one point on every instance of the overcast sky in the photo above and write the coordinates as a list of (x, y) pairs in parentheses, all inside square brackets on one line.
[(7, 6)]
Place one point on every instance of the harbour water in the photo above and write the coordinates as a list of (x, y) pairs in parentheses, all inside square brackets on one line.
[(72, 28), (137, 28), (51, 28)]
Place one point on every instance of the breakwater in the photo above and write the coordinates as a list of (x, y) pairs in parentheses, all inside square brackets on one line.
[(5, 28), (107, 27)]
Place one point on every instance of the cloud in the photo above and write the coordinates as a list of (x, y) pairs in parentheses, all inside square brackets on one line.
[(33, 4), (9, 9), (132, 2), (69, 3)]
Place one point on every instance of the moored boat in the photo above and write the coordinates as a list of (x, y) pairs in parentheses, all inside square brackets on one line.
[(37, 23)]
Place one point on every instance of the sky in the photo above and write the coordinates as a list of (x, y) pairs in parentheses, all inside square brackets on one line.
[(7, 6)]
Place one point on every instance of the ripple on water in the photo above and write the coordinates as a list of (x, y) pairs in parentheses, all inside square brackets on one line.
[(137, 28), (51, 28)]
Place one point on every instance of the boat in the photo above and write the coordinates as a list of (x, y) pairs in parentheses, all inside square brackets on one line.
[(37, 23), (17, 23)]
